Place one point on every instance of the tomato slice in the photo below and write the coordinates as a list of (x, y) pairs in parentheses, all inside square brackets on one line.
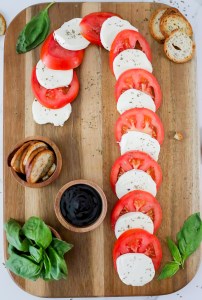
[(142, 80), (58, 97), (91, 26), (128, 39), (138, 201), (136, 160), (142, 120), (138, 241), (57, 58)]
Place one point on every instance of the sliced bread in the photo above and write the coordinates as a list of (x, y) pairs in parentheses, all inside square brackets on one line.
[(171, 22), (40, 165), (171, 11), (32, 148), (50, 172), (2, 25), (16, 159), (179, 47), (154, 25), (32, 156)]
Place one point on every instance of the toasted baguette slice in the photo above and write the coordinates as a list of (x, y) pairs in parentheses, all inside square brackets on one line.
[(40, 166), (171, 22), (31, 157), (31, 149), (154, 25), (22, 167), (2, 25), (179, 47), (16, 159), (171, 11), (50, 172)]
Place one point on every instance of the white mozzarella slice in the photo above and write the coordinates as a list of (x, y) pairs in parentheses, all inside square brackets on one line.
[(135, 180), (43, 115), (135, 140), (131, 59), (69, 35), (135, 269), (133, 220), (110, 28), (133, 98), (51, 79)]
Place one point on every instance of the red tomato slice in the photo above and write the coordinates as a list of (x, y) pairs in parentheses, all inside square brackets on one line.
[(136, 160), (142, 120), (57, 58), (138, 201), (142, 80), (138, 241), (128, 39), (58, 97), (91, 26)]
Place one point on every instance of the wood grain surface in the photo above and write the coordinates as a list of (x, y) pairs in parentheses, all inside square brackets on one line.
[(89, 149)]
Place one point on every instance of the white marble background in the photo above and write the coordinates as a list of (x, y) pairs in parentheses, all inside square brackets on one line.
[(10, 8)]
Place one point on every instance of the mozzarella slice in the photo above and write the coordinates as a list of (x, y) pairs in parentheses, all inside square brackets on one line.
[(135, 180), (131, 59), (135, 140), (43, 115), (110, 28), (51, 79), (133, 98), (69, 35), (135, 269), (133, 220)]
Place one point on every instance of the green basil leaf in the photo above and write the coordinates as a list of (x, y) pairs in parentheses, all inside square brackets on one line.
[(174, 251), (61, 247), (36, 230), (37, 254), (23, 267), (14, 236), (27, 256), (190, 236), (169, 270), (58, 264), (42, 37), (34, 32), (11, 249), (46, 271)]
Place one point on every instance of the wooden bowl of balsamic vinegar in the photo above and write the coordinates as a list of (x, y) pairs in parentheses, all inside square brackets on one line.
[(79, 188)]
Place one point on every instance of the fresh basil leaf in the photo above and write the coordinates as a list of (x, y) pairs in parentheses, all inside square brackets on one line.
[(169, 270), (23, 267), (42, 37), (61, 247), (27, 256), (34, 32), (36, 230), (14, 236), (190, 236), (174, 251), (46, 271), (37, 254), (58, 264), (11, 249), (32, 243)]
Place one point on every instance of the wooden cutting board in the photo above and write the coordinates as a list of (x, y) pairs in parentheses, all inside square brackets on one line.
[(89, 149)]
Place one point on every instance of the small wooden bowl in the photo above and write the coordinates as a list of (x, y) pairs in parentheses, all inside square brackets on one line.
[(64, 222), (53, 177)]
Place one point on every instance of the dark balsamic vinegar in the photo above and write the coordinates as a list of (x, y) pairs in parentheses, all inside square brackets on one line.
[(81, 205)]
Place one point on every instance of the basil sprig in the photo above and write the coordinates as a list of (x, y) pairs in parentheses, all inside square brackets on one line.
[(33, 251), (34, 32), (188, 240)]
